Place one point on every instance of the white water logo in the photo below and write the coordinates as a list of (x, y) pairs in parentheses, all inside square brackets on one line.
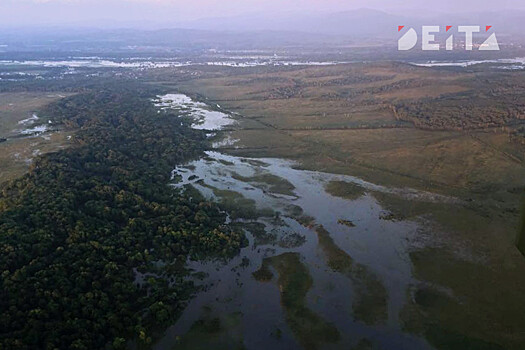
[(409, 40)]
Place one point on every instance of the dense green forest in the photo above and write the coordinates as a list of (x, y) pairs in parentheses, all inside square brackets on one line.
[(93, 240)]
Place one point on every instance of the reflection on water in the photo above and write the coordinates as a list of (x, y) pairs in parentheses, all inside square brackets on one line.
[(360, 273), (319, 271)]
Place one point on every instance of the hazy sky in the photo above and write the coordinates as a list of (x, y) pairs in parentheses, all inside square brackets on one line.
[(162, 12)]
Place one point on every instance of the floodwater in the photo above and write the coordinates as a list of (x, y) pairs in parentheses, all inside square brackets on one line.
[(205, 117), (30, 128), (35, 130), (29, 121), (97, 62), (376, 246), (514, 63)]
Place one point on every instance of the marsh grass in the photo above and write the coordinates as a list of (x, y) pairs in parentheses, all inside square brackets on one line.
[(346, 190), (269, 182), (294, 281), (370, 304)]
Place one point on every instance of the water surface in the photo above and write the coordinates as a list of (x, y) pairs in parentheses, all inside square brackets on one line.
[(292, 206)]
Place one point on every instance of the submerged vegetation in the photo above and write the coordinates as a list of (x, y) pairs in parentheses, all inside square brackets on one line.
[(370, 305), (213, 333), (93, 240), (294, 283), (269, 182), (238, 206), (348, 223), (346, 190)]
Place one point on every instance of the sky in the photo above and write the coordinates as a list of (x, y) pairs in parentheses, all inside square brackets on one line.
[(162, 13)]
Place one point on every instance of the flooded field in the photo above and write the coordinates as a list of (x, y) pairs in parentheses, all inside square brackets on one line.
[(510, 63), (321, 270), (205, 117), (98, 62), (24, 134)]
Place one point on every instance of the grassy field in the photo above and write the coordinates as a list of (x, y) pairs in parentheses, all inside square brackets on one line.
[(341, 118), (16, 106), (17, 152), (345, 119)]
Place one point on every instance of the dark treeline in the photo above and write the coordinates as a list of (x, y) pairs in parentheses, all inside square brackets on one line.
[(54, 80), (521, 232), (74, 231)]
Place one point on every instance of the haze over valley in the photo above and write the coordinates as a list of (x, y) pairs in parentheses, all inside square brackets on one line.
[(257, 175)]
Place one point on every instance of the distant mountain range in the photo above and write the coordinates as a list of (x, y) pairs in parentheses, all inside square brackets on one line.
[(342, 29)]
